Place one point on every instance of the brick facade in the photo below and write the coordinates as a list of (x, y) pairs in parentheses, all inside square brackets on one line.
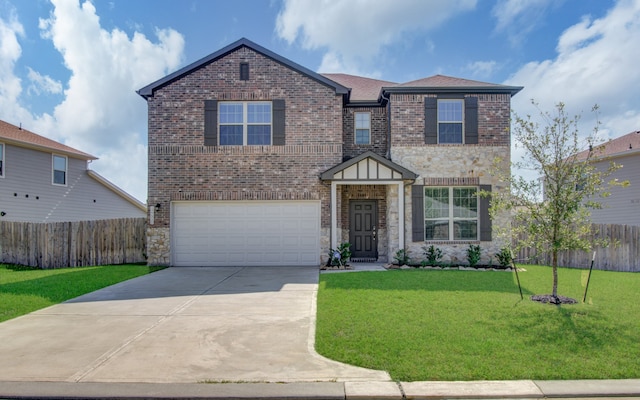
[(408, 119), (378, 131), (180, 165), (319, 135)]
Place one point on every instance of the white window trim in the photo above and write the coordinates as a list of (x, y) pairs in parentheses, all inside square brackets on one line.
[(53, 170), (451, 218), (461, 101), (355, 128), (3, 170), (245, 123)]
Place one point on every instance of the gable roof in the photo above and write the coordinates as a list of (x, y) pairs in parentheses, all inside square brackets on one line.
[(449, 84), (404, 173), (624, 145), (24, 138), (148, 90), (362, 89)]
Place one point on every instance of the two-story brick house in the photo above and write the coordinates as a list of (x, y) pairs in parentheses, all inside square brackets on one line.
[(256, 160)]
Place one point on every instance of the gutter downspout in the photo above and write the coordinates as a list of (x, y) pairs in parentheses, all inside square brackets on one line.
[(388, 154)]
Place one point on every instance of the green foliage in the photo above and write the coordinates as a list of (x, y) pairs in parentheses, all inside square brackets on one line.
[(504, 257), (433, 254), (340, 257), (402, 257), (468, 325), (473, 255), (551, 211), (25, 289)]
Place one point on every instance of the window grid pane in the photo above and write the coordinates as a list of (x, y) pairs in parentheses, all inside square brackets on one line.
[(231, 113), (450, 133), (230, 135), (450, 110), (436, 229), (259, 113), (259, 134), (436, 202), (362, 136)]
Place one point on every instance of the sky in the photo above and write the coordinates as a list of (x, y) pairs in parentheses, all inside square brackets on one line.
[(69, 69)]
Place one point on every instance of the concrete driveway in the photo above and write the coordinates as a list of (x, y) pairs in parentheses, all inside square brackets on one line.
[(179, 325)]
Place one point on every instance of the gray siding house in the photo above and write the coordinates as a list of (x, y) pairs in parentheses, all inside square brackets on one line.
[(623, 205), (42, 180)]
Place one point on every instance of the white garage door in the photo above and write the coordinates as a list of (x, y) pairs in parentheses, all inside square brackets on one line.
[(246, 233)]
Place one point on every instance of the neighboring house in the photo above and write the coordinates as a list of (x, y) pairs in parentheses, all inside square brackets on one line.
[(256, 160), (42, 180), (623, 205)]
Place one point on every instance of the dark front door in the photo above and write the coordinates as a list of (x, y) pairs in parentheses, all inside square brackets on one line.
[(363, 218)]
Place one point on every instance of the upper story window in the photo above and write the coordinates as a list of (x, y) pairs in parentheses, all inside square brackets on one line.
[(245, 123), (451, 213), (1, 160), (59, 170), (450, 121), (362, 128)]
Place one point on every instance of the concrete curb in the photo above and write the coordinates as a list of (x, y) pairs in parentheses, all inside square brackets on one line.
[(523, 389)]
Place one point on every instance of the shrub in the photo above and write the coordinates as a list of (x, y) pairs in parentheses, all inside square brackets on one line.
[(473, 255), (402, 257), (340, 256), (433, 254), (504, 257)]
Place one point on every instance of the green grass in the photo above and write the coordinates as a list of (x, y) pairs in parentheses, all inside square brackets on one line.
[(23, 289), (467, 325)]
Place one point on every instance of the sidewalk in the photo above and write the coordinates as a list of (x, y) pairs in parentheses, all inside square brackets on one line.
[(524, 389)]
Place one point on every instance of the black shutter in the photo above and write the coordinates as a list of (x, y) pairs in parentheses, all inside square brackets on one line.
[(417, 213), (471, 120), (431, 120), (485, 218), (211, 122), (278, 123)]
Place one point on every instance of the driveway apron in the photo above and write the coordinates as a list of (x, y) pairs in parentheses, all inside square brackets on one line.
[(180, 325)]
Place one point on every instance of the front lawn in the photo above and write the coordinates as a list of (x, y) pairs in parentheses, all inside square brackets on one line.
[(23, 290), (467, 325)]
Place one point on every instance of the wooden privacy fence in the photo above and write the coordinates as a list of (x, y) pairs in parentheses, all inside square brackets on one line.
[(623, 254), (73, 244)]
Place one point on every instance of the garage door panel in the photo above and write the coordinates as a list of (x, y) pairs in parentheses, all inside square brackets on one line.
[(246, 233)]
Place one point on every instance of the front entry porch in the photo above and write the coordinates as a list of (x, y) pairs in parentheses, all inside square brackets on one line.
[(368, 206)]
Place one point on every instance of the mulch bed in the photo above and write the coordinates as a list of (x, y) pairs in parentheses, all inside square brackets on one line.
[(547, 298)]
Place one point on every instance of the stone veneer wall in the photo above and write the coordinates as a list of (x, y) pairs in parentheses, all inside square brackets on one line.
[(442, 164), (182, 168), (437, 164)]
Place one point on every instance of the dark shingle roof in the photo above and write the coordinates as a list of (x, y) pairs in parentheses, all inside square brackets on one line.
[(148, 90), (362, 89)]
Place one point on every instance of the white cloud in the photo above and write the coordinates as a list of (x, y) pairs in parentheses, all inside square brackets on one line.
[(519, 17), (353, 32), (481, 69), (101, 114), (42, 83), (596, 63), (10, 84)]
